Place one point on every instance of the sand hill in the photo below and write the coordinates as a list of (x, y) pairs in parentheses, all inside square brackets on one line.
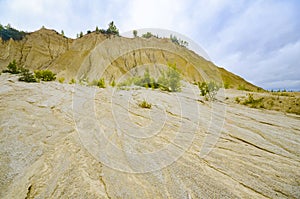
[(96, 55)]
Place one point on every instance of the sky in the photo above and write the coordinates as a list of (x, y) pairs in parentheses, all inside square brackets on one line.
[(258, 40)]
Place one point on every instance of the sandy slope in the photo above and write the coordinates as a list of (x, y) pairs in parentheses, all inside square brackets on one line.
[(66, 141), (96, 55)]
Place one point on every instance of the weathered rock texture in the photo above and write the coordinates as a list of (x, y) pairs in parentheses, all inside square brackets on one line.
[(51, 145)]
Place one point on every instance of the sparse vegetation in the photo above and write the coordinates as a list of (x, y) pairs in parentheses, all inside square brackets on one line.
[(113, 83), (243, 88), (178, 41), (134, 32), (148, 35), (45, 75), (84, 81), (254, 103), (168, 81), (61, 80), (12, 68), (72, 81), (101, 83), (208, 90), (27, 76), (8, 32), (288, 104), (145, 104), (111, 30)]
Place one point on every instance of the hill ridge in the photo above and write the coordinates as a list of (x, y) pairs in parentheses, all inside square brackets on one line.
[(76, 58)]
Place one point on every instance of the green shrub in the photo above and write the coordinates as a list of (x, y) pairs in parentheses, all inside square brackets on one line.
[(147, 35), (134, 32), (112, 29), (250, 99), (113, 83), (145, 104), (61, 80), (237, 100), (27, 76), (45, 75), (254, 103), (101, 83), (170, 80), (12, 68), (163, 82), (178, 41), (146, 81), (72, 81), (173, 77), (208, 90)]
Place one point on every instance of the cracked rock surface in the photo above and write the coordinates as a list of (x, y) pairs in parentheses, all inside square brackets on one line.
[(67, 141)]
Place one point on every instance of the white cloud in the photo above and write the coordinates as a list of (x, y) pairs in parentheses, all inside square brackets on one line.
[(251, 44), (153, 14)]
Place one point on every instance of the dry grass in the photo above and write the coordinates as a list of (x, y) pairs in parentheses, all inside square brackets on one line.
[(288, 102), (145, 104)]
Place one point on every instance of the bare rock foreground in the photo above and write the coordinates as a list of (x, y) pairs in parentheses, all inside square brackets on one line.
[(67, 141)]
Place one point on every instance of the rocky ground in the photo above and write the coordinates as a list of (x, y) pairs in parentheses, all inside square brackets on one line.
[(70, 141)]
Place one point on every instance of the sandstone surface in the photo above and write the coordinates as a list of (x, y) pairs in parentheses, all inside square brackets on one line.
[(71, 141)]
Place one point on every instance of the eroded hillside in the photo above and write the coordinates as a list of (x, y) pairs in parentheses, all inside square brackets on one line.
[(97, 55)]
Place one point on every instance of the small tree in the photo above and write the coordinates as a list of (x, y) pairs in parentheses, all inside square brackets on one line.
[(208, 90), (81, 34), (178, 41), (170, 80), (134, 33), (62, 33), (112, 29), (27, 76), (12, 68)]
